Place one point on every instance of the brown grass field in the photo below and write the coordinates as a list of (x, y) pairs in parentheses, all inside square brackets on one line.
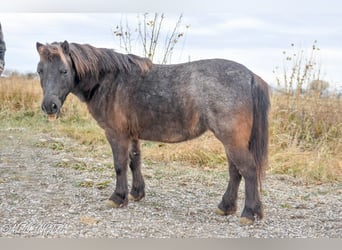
[(305, 132)]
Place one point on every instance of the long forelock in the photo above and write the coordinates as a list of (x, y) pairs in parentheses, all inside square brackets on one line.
[(51, 51), (91, 61)]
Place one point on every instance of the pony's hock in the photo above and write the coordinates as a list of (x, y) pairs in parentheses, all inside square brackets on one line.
[(133, 99)]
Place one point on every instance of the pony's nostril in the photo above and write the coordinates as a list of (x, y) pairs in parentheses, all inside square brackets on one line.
[(54, 107)]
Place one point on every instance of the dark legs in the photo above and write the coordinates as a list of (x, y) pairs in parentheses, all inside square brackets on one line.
[(228, 204), (241, 163), (120, 146), (138, 185), (125, 150)]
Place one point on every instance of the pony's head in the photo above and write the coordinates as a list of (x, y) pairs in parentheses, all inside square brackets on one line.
[(56, 76)]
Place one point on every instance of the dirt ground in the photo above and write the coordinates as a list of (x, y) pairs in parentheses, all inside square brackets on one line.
[(54, 187)]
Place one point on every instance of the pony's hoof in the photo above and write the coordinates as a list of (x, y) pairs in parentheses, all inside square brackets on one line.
[(245, 221), (132, 198), (220, 212), (112, 204)]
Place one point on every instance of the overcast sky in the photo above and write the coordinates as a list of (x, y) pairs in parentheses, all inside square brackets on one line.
[(254, 37)]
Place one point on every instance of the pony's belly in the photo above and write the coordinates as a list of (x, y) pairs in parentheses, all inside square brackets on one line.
[(169, 134)]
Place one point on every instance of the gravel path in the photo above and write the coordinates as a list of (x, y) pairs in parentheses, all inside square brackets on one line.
[(48, 190)]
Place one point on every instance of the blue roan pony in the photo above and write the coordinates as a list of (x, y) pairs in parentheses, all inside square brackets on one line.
[(133, 99)]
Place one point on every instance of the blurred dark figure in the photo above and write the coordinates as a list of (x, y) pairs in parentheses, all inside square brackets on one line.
[(2, 51)]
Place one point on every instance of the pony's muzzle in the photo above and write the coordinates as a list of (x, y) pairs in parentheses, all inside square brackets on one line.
[(51, 106)]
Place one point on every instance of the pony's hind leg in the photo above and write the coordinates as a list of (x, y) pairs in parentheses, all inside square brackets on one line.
[(228, 204), (244, 161), (138, 185), (235, 137)]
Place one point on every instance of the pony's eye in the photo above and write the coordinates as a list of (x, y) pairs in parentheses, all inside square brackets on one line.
[(39, 71), (63, 71)]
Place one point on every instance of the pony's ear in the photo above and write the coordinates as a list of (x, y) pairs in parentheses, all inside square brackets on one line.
[(65, 47), (39, 47)]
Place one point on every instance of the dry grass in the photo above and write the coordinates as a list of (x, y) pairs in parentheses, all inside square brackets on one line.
[(18, 94), (306, 136), (205, 151), (305, 132)]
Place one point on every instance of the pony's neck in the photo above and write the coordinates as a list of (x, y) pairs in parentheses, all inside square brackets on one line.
[(86, 88)]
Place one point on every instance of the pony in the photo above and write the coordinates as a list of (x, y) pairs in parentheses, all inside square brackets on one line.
[(133, 99)]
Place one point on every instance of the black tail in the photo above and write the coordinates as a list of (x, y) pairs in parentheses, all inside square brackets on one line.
[(258, 144)]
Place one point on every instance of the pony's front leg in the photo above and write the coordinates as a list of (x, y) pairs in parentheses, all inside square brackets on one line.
[(120, 146), (138, 185)]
